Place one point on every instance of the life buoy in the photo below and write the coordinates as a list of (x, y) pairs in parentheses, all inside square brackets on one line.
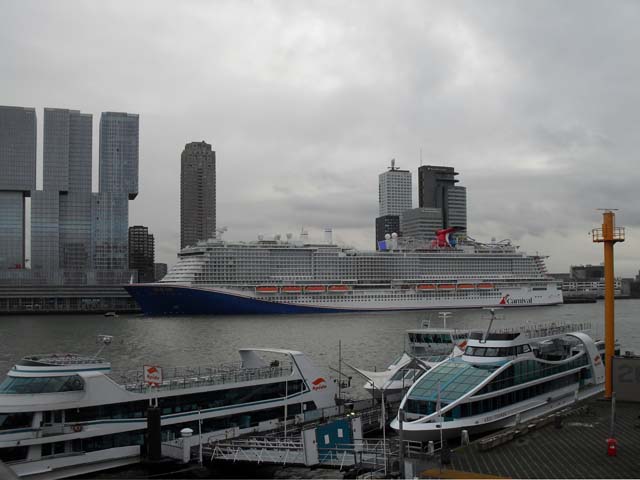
[(77, 428)]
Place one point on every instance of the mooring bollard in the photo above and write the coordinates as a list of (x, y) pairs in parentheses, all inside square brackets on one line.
[(186, 434), (464, 438)]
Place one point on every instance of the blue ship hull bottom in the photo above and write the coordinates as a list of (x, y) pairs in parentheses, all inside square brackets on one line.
[(175, 300)]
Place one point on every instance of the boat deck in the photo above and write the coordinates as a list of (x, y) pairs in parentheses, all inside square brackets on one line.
[(193, 377), (577, 449)]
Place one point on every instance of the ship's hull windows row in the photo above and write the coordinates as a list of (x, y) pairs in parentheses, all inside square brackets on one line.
[(137, 437), (10, 421), (421, 407), (187, 403)]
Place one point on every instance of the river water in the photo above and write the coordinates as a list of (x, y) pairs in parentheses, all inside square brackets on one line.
[(368, 340)]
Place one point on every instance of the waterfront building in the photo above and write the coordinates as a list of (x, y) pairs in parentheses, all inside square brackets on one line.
[(119, 137), (387, 224), (141, 253), (437, 189), (197, 193), (394, 191), (17, 180), (421, 223), (160, 270)]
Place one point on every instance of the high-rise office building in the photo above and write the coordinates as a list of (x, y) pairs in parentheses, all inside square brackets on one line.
[(118, 184), (197, 193), (437, 189), (17, 179), (394, 197), (67, 150), (119, 136), (394, 191), (141, 253), (61, 220), (421, 223)]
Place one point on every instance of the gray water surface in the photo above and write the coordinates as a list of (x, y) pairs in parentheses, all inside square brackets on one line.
[(368, 340)]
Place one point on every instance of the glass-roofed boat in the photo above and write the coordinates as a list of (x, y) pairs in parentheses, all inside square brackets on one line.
[(503, 377)]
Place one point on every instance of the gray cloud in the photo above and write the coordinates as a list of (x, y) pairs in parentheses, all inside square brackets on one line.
[(535, 103)]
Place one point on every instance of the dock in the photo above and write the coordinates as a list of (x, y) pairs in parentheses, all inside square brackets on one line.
[(569, 444)]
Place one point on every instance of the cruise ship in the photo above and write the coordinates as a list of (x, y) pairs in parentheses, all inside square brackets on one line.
[(503, 378), (280, 276), (66, 414)]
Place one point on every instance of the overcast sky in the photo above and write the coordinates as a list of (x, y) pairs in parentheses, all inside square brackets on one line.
[(536, 104)]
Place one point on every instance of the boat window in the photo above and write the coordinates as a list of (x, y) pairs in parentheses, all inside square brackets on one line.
[(14, 454), (28, 385), (9, 421), (491, 352)]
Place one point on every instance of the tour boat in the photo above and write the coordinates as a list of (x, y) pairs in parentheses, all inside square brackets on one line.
[(503, 378), (68, 414)]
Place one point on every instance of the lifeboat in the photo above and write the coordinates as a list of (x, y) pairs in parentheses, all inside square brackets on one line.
[(267, 289), (339, 288), (291, 289), (466, 286), (426, 287), (446, 286), (485, 285), (315, 288)]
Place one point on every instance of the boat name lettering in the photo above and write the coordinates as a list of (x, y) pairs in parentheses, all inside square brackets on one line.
[(508, 300)]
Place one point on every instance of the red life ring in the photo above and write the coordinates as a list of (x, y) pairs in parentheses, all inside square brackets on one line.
[(77, 428)]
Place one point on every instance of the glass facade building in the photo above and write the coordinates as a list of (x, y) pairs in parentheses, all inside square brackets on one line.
[(110, 214), (17, 179), (437, 189), (119, 133), (421, 223), (142, 253)]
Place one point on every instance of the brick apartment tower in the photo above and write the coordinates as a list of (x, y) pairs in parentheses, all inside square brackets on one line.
[(197, 193)]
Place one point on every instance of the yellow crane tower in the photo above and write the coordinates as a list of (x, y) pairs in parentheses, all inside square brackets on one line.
[(609, 234)]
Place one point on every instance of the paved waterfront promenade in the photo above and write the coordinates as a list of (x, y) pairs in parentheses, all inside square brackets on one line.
[(576, 450)]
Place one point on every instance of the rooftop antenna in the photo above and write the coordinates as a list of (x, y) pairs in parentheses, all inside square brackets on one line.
[(393, 165), (104, 340), (444, 316)]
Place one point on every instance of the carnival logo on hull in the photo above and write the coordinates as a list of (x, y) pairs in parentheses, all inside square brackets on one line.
[(507, 300), (319, 383)]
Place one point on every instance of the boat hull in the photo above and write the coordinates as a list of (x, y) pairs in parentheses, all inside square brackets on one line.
[(170, 299)]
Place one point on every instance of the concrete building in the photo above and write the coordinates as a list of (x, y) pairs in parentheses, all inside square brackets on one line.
[(437, 189), (421, 223), (387, 224), (17, 180), (160, 271), (197, 193), (394, 191), (142, 253)]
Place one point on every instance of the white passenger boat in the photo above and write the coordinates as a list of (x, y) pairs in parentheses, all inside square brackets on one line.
[(67, 414), (503, 378), (425, 348)]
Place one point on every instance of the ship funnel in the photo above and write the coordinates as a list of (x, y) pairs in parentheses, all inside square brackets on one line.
[(328, 235)]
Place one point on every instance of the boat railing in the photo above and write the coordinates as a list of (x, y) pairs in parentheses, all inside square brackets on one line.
[(547, 329), (64, 359), (192, 377)]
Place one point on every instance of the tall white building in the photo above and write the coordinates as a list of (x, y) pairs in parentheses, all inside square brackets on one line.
[(394, 191)]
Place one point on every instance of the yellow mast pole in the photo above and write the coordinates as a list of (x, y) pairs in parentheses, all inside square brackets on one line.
[(608, 235)]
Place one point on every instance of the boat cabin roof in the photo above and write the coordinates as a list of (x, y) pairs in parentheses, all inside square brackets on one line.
[(59, 360)]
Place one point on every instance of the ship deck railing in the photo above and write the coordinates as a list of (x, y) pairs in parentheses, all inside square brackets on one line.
[(193, 377)]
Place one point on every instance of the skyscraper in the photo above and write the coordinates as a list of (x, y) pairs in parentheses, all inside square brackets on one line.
[(197, 193), (118, 184), (394, 191), (142, 253), (437, 189), (394, 197), (17, 179), (119, 133), (421, 223), (61, 221)]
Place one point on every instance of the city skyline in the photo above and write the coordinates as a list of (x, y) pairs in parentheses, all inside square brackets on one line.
[(543, 134)]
